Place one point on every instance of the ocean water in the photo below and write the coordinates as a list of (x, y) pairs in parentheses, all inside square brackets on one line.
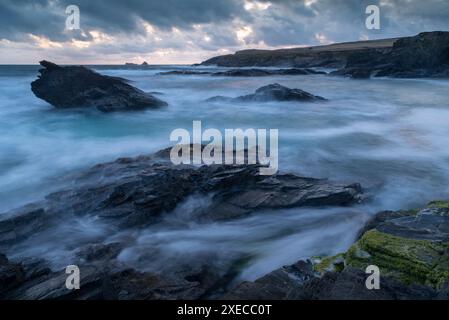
[(390, 135)]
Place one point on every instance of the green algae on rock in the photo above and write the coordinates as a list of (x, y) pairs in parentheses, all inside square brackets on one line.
[(329, 264), (408, 260), (439, 204)]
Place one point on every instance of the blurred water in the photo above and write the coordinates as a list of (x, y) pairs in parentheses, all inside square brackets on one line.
[(390, 135)]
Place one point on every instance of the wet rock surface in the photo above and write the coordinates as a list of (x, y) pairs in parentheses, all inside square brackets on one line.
[(134, 193), (80, 87), (271, 92), (410, 248)]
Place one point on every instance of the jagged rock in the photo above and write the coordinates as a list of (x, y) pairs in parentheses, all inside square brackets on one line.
[(80, 87), (410, 247), (183, 73), (282, 284), (349, 284), (247, 72), (272, 92), (136, 192), (424, 55), (20, 224), (330, 56), (265, 72), (11, 275), (300, 282)]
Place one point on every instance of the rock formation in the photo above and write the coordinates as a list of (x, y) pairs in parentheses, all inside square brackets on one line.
[(80, 87)]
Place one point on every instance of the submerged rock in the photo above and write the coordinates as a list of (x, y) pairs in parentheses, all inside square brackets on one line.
[(271, 92), (80, 87)]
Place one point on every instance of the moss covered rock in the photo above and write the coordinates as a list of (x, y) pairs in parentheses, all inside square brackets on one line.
[(408, 260), (438, 204), (322, 265)]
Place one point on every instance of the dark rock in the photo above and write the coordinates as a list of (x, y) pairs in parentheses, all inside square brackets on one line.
[(350, 285), (265, 72), (424, 55), (431, 223), (282, 284), (19, 225), (183, 72), (11, 275), (330, 56), (272, 92), (247, 72), (78, 86), (136, 192), (410, 247), (300, 282)]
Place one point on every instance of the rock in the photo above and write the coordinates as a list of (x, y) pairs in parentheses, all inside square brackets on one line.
[(408, 260), (349, 284), (247, 72), (18, 225), (282, 284), (329, 56), (80, 87), (410, 247), (424, 55), (182, 72), (300, 282), (11, 275), (136, 192), (272, 92), (265, 72)]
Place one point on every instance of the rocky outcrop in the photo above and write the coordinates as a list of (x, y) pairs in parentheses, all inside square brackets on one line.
[(330, 56), (183, 73), (411, 248), (132, 194), (247, 72), (80, 87), (425, 55), (266, 72), (272, 92), (136, 192)]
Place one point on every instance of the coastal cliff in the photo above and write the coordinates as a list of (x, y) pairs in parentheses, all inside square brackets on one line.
[(424, 55)]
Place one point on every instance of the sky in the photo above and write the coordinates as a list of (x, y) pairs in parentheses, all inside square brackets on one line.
[(190, 31)]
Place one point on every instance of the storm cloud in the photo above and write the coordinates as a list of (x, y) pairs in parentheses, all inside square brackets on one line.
[(185, 31)]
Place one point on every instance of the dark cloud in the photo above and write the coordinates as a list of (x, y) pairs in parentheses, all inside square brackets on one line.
[(284, 22), (47, 17)]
